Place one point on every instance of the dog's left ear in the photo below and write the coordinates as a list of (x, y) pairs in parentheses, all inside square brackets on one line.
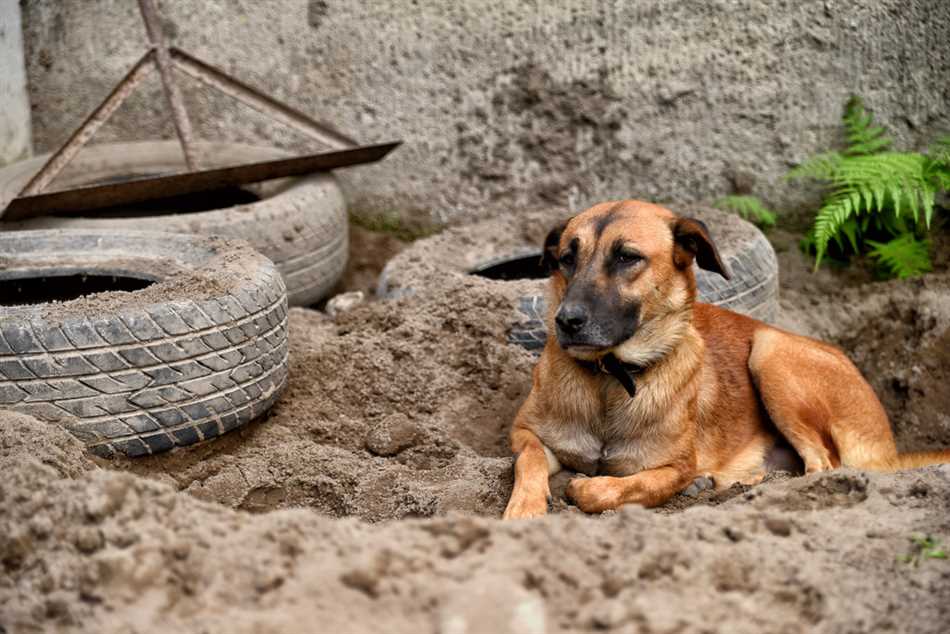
[(549, 256), (691, 241)]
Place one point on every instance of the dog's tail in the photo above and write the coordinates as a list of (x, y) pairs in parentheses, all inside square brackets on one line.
[(913, 459), (908, 460), (879, 453)]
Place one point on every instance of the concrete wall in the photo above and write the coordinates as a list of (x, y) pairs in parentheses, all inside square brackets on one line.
[(506, 103), (14, 104)]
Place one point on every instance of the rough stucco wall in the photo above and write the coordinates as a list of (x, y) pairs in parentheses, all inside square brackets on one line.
[(505, 103), (14, 103)]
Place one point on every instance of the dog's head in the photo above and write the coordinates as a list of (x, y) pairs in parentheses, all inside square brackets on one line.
[(619, 268)]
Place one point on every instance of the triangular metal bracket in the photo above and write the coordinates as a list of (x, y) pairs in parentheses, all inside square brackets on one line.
[(166, 59)]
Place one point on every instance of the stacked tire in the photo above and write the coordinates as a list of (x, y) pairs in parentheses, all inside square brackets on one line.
[(456, 254), (199, 351), (299, 223)]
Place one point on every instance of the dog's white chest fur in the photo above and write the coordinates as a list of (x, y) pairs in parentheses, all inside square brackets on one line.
[(611, 434)]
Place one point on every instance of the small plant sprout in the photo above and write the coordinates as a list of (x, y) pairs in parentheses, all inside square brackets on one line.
[(922, 547), (749, 207)]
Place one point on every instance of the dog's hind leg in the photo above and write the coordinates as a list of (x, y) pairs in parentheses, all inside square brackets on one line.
[(820, 402), (534, 464)]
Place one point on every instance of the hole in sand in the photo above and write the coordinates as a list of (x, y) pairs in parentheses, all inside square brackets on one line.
[(527, 267), (63, 287)]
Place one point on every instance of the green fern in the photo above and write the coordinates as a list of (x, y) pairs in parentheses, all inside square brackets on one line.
[(863, 137), (874, 184), (904, 256), (875, 190), (820, 167), (749, 207), (938, 170), (939, 152)]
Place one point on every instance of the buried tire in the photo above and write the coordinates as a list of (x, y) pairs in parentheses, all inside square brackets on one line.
[(182, 339), (506, 251), (300, 224)]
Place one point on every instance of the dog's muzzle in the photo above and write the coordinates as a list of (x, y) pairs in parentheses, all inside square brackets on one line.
[(576, 328)]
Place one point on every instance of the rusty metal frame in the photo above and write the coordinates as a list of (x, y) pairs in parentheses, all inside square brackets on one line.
[(168, 59), (163, 60), (257, 100), (75, 201), (89, 127)]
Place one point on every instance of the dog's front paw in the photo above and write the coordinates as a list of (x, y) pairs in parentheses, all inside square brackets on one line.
[(522, 506), (595, 495)]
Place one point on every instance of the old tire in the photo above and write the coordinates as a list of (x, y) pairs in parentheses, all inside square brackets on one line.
[(458, 252), (199, 352), (300, 224)]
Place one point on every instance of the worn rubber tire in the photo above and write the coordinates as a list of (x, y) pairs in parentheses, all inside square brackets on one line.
[(753, 289), (300, 224), (198, 353)]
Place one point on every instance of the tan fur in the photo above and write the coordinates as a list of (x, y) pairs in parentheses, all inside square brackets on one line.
[(698, 408)]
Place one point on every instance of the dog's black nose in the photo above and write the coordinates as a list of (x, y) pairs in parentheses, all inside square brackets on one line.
[(571, 318)]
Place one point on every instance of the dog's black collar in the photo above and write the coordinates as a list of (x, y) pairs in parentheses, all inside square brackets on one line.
[(625, 373)]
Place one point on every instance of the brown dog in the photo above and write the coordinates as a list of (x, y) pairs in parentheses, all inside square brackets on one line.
[(647, 389)]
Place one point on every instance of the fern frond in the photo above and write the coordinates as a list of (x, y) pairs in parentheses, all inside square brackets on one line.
[(863, 137), (867, 184), (904, 256), (820, 167), (749, 207), (836, 210), (939, 176), (938, 171), (895, 177), (939, 151)]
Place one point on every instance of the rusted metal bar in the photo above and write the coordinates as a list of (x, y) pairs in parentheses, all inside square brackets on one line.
[(33, 201), (252, 97), (179, 113), (89, 127), (74, 201)]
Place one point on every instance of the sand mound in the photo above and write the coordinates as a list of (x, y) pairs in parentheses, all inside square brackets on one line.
[(400, 411), (111, 551)]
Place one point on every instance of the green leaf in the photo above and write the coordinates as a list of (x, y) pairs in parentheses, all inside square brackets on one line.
[(820, 167), (850, 229), (939, 151), (831, 216), (866, 184), (863, 138), (870, 186), (749, 207), (904, 256)]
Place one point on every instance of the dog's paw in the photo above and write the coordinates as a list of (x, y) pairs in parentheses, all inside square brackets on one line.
[(595, 495), (700, 484), (521, 507)]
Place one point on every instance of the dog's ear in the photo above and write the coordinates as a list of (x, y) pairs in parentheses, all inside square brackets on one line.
[(549, 256), (691, 241)]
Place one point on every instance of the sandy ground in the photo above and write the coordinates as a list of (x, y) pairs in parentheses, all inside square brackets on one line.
[(367, 500)]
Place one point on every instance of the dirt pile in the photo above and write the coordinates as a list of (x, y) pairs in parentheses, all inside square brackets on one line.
[(399, 411), (393, 410), (108, 551)]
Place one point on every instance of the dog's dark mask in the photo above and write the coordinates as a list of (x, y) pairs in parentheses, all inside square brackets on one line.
[(593, 315), (589, 316)]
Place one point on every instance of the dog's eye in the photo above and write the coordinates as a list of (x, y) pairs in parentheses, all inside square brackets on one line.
[(628, 257), (567, 259)]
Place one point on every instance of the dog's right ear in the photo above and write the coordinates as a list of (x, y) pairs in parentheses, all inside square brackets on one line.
[(549, 256), (691, 240)]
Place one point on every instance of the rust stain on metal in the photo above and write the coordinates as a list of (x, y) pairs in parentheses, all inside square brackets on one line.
[(32, 201), (89, 127), (257, 100), (73, 201), (172, 91)]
